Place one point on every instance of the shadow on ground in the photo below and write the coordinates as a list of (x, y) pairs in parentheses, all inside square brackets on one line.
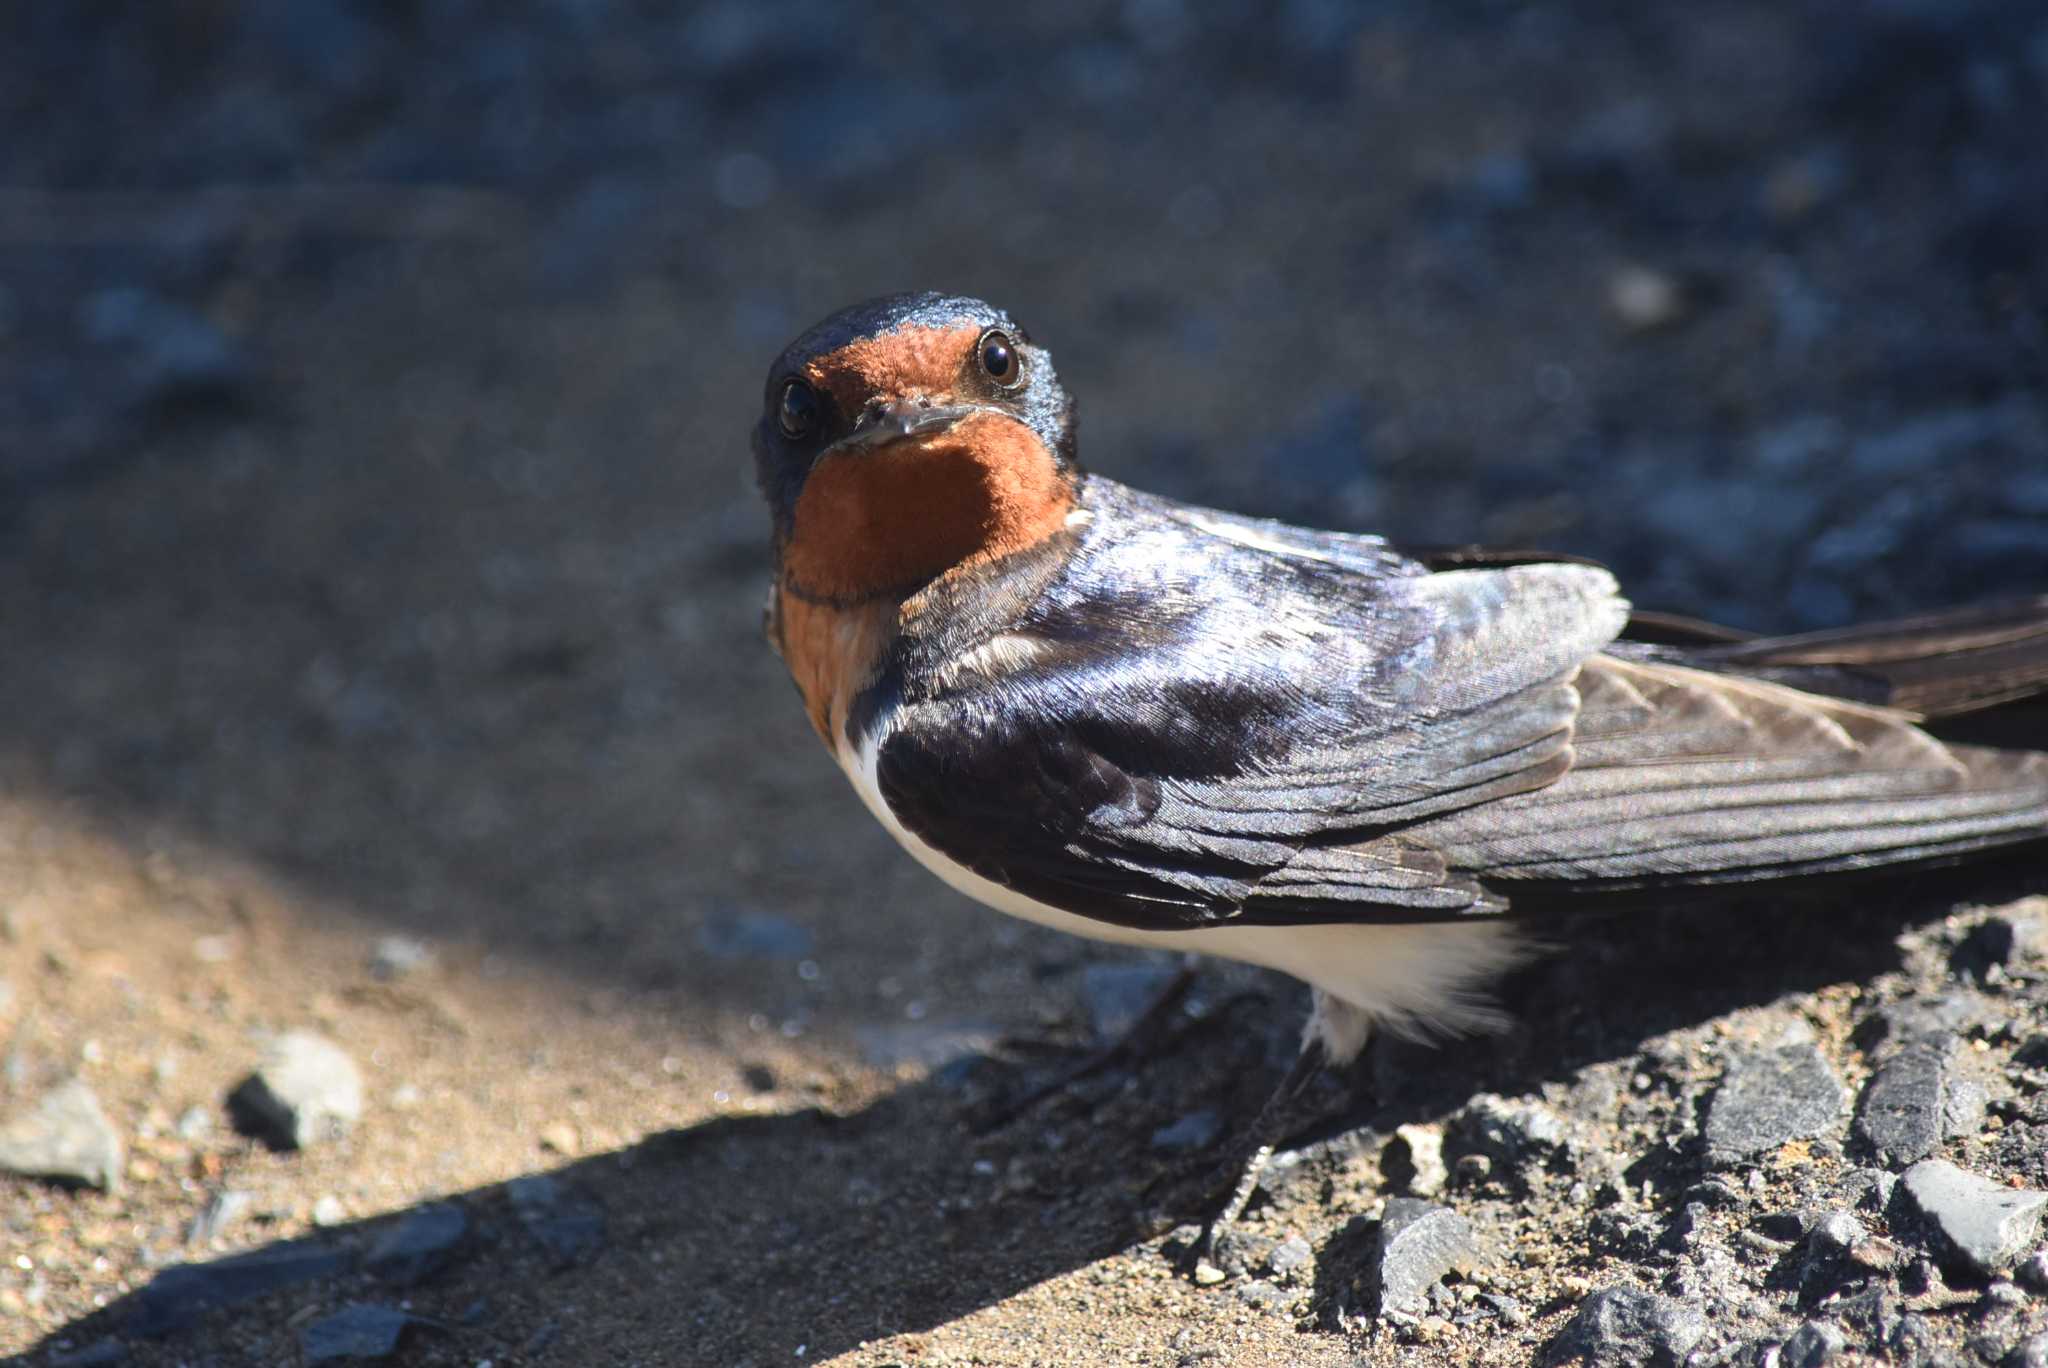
[(804, 1233)]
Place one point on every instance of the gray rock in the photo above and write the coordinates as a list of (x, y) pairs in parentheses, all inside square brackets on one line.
[(1837, 1233), (1901, 1115), (1290, 1256), (1263, 1296), (1717, 1194), (306, 1091), (2002, 1294), (180, 1294), (1509, 1309), (1786, 1225), (1196, 1130), (1963, 1105), (2034, 1272), (1418, 1243), (356, 1332), (1688, 1225), (2031, 1352), (1771, 1097), (1870, 1189), (1624, 1327), (1972, 1221), (65, 1137), (1951, 1014), (1812, 1345), (565, 1220), (419, 1246)]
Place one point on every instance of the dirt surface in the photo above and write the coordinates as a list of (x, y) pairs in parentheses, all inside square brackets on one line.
[(378, 559)]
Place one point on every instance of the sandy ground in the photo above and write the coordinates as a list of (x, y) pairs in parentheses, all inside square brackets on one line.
[(443, 624)]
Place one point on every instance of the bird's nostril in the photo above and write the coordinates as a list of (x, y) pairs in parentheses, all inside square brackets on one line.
[(901, 414)]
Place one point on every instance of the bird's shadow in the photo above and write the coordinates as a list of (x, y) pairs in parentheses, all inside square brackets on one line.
[(762, 1235)]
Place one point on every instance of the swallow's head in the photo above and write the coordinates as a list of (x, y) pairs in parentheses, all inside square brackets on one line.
[(908, 436)]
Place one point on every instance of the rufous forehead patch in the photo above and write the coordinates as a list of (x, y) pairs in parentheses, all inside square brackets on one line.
[(910, 360)]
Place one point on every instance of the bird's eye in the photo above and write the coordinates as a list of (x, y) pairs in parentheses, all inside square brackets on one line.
[(999, 359), (797, 411)]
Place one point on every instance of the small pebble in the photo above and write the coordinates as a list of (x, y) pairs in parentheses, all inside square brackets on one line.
[(1768, 1098), (1901, 1115), (65, 1137), (2003, 1295), (1290, 1256), (1509, 1309), (1642, 299), (195, 1124), (1971, 1219), (1963, 1107), (306, 1092), (1208, 1274), (178, 1295), (1262, 1295), (1625, 1327), (1877, 1255), (394, 957), (356, 1332), (1812, 1345), (1838, 1233), (1417, 1244), (419, 1245), (329, 1211)]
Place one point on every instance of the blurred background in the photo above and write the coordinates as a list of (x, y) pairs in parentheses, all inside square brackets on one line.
[(378, 552)]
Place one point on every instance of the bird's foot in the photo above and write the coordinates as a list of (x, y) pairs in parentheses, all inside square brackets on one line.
[(1151, 1024), (1249, 1159)]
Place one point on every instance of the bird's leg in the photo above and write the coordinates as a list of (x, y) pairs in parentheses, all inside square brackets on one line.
[(1268, 1128), (1142, 1032)]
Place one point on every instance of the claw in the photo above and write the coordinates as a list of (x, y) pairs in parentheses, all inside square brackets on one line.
[(1266, 1131)]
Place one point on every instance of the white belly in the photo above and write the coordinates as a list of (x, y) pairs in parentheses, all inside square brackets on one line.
[(1409, 978)]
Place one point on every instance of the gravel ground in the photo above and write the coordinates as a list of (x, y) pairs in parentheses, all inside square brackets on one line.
[(429, 931)]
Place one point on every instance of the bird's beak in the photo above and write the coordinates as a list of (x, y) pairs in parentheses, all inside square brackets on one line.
[(885, 422)]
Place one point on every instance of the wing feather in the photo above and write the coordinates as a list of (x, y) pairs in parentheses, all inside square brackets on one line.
[(1210, 719)]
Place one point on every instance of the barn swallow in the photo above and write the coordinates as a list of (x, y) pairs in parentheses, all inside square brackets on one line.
[(1163, 725)]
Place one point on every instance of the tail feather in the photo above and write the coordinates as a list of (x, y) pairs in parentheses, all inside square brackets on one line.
[(1934, 665)]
